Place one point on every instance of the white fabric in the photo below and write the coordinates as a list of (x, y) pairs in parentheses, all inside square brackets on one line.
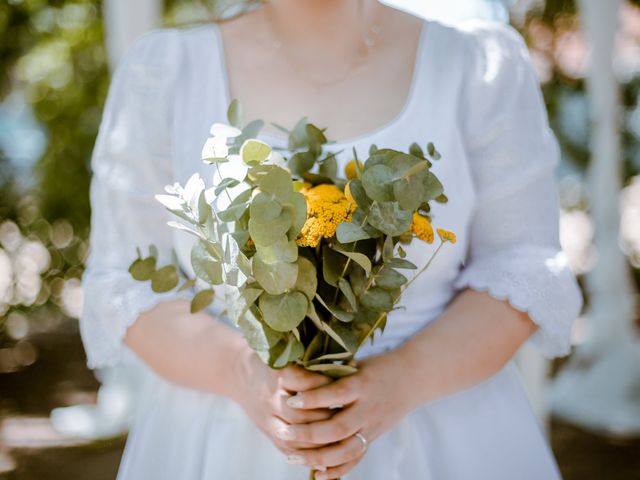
[(474, 94)]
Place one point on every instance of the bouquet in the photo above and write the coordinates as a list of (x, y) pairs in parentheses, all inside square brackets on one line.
[(311, 262)]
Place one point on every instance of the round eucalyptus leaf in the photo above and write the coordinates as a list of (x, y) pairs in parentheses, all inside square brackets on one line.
[(299, 205), (275, 278), (377, 299), (377, 183), (142, 269), (389, 218), (267, 233), (348, 232), (205, 266), (283, 312), (307, 281), (432, 187), (264, 209), (164, 279), (277, 182), (282, 250), (254, 151), (389, 279), (409, 191)]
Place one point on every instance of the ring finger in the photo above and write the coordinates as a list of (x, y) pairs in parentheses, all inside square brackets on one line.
[(345, 451)]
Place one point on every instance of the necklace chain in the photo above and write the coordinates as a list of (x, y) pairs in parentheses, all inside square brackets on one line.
[(368, 39)]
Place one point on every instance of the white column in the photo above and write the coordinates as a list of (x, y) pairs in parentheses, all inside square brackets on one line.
[(596, 388)]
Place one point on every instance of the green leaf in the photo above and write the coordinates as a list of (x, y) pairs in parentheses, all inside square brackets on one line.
[(376, 181), (389, 218), (234, 113), (205, 266), (387, 249), (164, 279), (348, 232), (409, 192), (377, 299), (254, 151), (299, 205), (401, 263), (298, 136), (301, 162), (357, 257), (264, 208), (277, 182), (268, 233), (283, 312), (432, 187), (389, 279), (233, 213), (282, 250), (240, 302), (259, 336), (307, 281), (143, 269), (331, 357), (415, 150), (329, 168), (292, 352), (333, 370), (342, 334), (275, 278), (202, 300), (359, 195), (332, 265), (336, 311), (431, 148), (226, 183), (347, 291)]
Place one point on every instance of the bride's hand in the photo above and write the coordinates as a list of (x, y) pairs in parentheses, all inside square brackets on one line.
[(263, 392), (374, 399)]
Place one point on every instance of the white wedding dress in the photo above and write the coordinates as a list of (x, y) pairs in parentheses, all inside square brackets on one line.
[(474, 93)]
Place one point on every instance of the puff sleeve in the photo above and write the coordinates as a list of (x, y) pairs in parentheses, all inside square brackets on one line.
[(514, 252), (131, 162)]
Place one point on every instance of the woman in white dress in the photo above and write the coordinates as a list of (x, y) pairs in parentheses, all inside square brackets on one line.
[(437, 396)]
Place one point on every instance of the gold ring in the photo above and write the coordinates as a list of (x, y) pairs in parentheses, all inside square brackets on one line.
[(363, 440)]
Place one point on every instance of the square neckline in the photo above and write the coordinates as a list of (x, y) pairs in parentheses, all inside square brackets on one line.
[(410, 99)]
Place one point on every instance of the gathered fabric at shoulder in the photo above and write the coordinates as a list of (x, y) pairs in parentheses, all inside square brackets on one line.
[(131, 162), (514, 250)]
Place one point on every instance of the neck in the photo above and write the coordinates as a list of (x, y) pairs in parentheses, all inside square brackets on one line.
[(324, 27)]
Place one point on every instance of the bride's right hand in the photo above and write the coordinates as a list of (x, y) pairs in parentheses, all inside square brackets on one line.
[(262, 392)]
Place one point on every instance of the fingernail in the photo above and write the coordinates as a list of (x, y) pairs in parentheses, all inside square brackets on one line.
[(296, 401), (320, 469), (321, 476), (285, 434), (296, 459)]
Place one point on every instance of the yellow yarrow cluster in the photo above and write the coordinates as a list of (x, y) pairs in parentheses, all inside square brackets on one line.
[(421, 228), (327, 206), (446, 235)]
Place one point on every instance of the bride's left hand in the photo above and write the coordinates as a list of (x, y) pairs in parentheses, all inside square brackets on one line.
[(374, 399)]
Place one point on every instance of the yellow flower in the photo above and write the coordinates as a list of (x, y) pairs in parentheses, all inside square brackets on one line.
[(350, 169), (327, 206), (446, 235), (421, 227)]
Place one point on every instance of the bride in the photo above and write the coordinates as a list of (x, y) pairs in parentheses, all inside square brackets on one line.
[(437, 396)]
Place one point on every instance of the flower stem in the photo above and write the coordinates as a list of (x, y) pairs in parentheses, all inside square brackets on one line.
[(382, 315)]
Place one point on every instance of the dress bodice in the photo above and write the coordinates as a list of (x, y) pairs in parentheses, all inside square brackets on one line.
[(474, 94)]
